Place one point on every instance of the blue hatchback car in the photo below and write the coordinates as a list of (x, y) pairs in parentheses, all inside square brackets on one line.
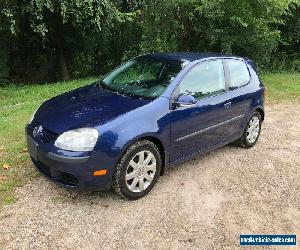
[(151, 112)]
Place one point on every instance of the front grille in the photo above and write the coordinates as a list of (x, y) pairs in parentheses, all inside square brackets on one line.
[(68, 179), (61, 177)]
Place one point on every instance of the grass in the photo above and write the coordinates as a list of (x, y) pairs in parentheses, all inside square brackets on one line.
[(282, 86), (17, 103)]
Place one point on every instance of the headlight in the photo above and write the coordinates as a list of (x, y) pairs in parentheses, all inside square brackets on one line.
[(82, 139), (32, 116)]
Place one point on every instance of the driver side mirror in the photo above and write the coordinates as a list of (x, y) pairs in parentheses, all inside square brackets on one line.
[(185, 100)]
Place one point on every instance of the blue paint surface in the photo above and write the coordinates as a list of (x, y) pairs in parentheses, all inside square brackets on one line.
[(122, 120)]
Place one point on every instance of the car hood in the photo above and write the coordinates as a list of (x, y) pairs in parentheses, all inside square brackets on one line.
[(84, 107)]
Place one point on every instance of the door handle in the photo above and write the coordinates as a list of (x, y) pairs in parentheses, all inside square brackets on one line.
[(227, 104)]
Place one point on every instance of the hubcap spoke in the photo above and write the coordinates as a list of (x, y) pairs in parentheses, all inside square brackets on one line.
[(141, 184), (256, 130), (133, 164), (148, 159), (141, 157), (130, 176), (133, 184), (151, 167), (148, 177)]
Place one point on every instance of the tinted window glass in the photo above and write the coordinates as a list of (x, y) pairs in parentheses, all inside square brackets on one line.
[(239, 74), (204, 79), (142, 77)]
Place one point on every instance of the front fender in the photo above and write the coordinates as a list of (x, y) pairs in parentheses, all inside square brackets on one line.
[(151, 120)]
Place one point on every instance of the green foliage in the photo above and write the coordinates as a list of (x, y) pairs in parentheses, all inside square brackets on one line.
[(241, 27), (49, 40), (288, 51), (82, 15)]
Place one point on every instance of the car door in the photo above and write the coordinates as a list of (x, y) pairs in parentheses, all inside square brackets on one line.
[(239, 99), (202, 125)]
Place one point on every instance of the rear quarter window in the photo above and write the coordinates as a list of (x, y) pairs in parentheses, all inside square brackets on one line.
[(238, 73)]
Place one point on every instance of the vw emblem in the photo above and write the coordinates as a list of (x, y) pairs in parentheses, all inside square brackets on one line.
[(37, 131)]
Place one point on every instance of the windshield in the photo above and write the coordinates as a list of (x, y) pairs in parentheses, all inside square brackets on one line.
[(142, 77)]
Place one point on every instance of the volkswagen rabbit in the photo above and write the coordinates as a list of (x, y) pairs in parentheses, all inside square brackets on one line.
[(153, 111)]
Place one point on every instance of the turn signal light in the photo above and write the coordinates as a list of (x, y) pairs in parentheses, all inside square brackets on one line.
[(100, 172)]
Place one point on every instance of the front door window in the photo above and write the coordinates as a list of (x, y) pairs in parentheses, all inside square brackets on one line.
[(204, 80)]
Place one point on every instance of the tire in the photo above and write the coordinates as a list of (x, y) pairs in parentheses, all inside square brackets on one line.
[(133, 170), (246, 141)]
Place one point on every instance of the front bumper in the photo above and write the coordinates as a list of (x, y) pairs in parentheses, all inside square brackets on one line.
[(75, 172)]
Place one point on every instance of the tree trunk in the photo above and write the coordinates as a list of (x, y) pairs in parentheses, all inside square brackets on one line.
[(58, 33), (62, 61)]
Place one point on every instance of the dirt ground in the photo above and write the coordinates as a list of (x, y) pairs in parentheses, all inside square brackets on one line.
[(205, 203)]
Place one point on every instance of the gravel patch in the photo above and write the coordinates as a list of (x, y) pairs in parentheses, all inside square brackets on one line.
[(205, 203)]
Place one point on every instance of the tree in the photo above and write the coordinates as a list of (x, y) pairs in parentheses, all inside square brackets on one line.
[(60, 23), (48, 40), (243, 27), (288, 52)]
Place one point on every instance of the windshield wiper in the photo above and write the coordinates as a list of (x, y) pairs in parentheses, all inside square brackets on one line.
[(101, 84), (106, 87)]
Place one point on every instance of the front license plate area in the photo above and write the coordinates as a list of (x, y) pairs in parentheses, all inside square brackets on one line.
[(32, 148)]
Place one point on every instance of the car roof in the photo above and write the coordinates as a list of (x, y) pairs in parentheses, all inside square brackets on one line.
[(186, 56)]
